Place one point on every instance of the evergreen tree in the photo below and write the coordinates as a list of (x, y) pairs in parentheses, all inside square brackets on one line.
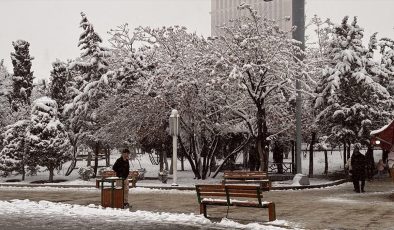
[(13, 155), (387, 64), (46, 137), (23, 76), (60, 77), (92, 68), (350, 103)]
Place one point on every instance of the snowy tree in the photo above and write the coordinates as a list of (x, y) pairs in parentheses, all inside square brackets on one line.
[(23, 76), (7, 115), (259, 62), (184, 63), (92, 69), (59, 82), (46, 137), (13, 156), (386, 76), (316, 58), (5, 97), (350, 103)]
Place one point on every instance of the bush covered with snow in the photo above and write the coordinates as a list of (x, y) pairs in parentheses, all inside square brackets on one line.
[(86, 173)]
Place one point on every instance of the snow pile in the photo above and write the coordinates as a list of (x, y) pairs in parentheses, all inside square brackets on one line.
[(23, 207), (300, 179)]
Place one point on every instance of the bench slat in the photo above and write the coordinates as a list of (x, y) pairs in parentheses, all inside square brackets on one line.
[(244, 187), (205, 194)]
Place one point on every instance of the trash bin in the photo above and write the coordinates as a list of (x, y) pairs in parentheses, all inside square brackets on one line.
[(112, 196)]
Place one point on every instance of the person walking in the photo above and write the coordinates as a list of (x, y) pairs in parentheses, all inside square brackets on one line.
[(358, 163), (122, 168)]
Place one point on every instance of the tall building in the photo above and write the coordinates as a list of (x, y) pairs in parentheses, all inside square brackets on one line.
[(224, 10)]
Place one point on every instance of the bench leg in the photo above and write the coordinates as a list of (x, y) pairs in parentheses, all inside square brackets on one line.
[(203, 210), (271, 212)]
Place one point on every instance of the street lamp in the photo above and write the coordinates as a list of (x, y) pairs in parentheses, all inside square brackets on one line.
[(174, 132), (298, 12)]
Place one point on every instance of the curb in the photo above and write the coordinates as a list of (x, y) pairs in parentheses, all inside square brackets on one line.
[(183, 188)]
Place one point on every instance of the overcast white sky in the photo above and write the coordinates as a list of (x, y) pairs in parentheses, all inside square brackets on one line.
[(52, 26)]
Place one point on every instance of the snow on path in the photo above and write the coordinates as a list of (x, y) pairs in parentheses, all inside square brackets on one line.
[(59, 210), (351, 201), (96, 190)]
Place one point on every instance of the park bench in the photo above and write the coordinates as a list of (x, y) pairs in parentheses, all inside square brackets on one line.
[(253, 177), (133, 177), (228, 195)]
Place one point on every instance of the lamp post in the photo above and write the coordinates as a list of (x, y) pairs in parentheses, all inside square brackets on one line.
[(298, 16), (174, 131)]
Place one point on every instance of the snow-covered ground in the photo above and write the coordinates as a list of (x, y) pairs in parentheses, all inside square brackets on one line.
[(186, 178), (66, 216)]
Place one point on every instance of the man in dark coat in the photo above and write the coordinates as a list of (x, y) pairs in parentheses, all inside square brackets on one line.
[(358, 170), (122, 168)]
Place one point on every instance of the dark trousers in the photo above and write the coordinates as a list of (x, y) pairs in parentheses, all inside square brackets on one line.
[(356, 182)]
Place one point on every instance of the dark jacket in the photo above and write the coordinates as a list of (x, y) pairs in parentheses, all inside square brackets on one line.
[(121, 168), (358, 164)]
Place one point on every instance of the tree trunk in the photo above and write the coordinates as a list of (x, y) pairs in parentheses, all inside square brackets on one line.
[(182, 163), (245, 159), (161, 160), (311, 154), (165, 160), (325, 162), (344, 154), (74, 159), (51, 168), (293, 156), (89, 160), (96, 153), (348, 150), (107, 157), (261, 139), (171, 166), (23, 169), (189, 158), (209, 158)]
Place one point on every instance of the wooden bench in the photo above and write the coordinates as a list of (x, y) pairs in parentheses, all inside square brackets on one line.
[(133, 177), (251, 196), (242, 177)]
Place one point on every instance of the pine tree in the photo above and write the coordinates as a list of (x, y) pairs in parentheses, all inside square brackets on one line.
[(387, 64), (349, 102), (93, 72), (23, 76), (59, 81), (46, 137), (13, 155)]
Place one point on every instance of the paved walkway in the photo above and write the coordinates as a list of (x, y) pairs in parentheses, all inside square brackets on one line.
[(330, 208)]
